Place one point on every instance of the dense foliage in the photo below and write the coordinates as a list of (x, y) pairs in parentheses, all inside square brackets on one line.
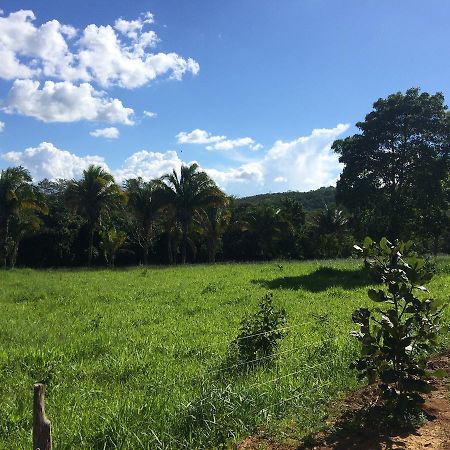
[(398, 336), (395, 182)]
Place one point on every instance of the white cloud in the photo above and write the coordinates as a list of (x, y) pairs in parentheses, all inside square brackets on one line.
[(230, 144), (150, 114), (109, 133), (28, 51), (198, 136), (250, 173), (301, 164), (131, 28), (65, 102), (2, 126), (101, 54), (203, 137), (47, 161), (148, 165)]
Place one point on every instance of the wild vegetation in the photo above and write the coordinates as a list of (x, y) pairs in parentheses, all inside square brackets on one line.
[(137, 358)]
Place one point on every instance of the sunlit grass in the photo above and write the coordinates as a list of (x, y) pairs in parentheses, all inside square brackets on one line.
[(133, 359)]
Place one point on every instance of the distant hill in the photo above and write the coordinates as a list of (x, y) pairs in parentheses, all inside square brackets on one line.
[(310, 200)]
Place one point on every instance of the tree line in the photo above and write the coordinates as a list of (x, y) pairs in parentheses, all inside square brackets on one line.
[(395, 182)]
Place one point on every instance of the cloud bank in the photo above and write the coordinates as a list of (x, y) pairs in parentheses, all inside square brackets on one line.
[(301, 164), (77, 65)]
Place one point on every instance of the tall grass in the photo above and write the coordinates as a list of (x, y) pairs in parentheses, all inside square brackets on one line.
[(137, 359)]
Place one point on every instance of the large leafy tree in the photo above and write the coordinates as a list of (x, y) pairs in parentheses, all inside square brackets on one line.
[(145, 201), (395, 167), (20, 204), (93, 196), (187, 192)]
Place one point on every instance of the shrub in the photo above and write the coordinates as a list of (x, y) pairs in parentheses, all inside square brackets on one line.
[(260, 333), (397, 336)]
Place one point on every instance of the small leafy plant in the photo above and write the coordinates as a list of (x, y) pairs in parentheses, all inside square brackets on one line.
[(397, 336), (260, 333)]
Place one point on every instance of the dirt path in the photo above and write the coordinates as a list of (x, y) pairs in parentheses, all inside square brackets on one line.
[(432, 435)]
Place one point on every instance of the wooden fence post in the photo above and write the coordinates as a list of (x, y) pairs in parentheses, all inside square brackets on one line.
[(42, 430)]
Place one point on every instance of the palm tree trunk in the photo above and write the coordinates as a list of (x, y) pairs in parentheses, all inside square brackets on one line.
[(5, 244), (15, 251), (184, 243), (211, 251), (91, 246), (169, 248), (146, 247)]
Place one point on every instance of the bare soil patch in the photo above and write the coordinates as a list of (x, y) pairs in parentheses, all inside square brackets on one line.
[(358, 427)]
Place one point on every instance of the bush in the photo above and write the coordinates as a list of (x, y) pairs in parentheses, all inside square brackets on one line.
[(397, 337), (260, 333)]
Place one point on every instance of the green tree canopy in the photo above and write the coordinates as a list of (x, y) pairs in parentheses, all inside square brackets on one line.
[(395, 167), (145, 200), (187, 192), (96, 193), (20, 202)]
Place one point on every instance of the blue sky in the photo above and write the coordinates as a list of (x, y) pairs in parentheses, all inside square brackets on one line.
[(255, 91)]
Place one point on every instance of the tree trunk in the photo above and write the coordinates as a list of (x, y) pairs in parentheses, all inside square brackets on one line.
[(5, 244), (184, 242), (435, 244), (169, 248), (91, 246), (42, 430), (146, 247), (14, 252), (211, 251)]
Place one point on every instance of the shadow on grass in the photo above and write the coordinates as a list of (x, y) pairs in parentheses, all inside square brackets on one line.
[(320, 280), (374, 427)]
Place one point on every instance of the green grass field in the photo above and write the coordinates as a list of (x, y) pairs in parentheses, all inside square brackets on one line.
[(134, 359)]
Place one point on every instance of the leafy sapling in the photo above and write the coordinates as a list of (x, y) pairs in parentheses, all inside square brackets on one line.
[(261, 332), (398, 335)]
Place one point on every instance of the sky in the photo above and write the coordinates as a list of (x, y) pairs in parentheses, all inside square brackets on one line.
[(254, 91)]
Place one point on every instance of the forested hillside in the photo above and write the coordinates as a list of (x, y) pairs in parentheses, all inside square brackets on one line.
[(311, 200)]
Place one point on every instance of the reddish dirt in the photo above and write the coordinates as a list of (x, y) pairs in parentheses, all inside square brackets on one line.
[(434, 434)]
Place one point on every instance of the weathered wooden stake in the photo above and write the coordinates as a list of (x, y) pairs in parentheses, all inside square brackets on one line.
[(42, 430)]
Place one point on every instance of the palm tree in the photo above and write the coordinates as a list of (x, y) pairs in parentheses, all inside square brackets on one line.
[(145, 200), (213, 222), (331, 220), (266, 225), (187, 193), (94, 195), (111, 242), (20, 202)]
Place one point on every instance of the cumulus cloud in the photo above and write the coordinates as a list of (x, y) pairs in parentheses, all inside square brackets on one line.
[(302, 164), (119, 54), (148, 165), (150, 114), (65, 102), (130, 28), (230, 144), (109, 133), (197, 136), (203, 137), (47, 161), (2, 126)]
